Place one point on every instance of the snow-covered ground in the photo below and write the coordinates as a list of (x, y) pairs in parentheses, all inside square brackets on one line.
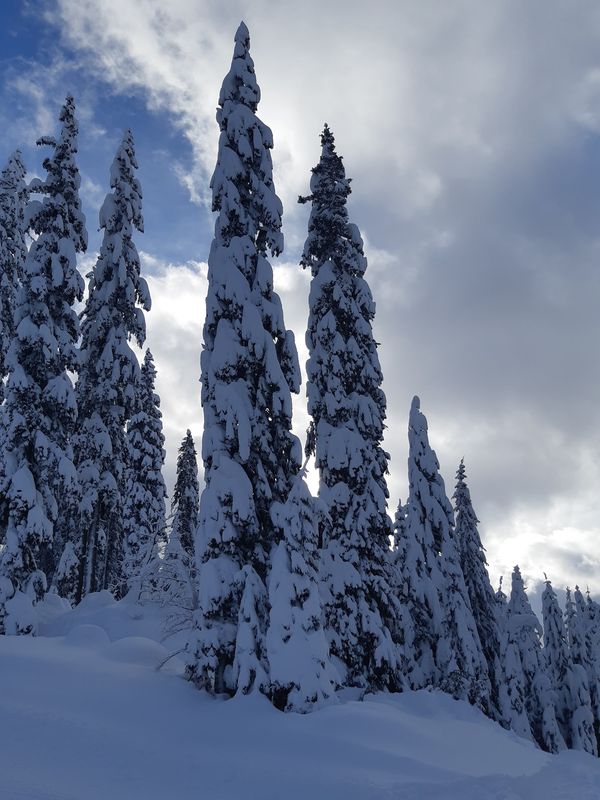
[(85, 715)]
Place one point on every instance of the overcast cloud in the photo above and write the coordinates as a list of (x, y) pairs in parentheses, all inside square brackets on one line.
[(471, 131)]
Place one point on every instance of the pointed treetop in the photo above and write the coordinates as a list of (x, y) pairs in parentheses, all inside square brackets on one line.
[(461, 472), (327, 138), (416, 403), (242, 35)]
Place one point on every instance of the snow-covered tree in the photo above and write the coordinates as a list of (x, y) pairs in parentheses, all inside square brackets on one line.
[(109, 376), (527, 685), (178, 571), (249, 366), (569, 681), (13, 250), (144, 515), (481, 595), (592, 630), (348, 407), (40, 480), (416, 554), (302, 676), (442, 643), (400, 523), (580, 644)]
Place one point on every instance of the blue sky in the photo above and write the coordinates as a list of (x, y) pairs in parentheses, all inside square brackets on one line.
[(472, 133)]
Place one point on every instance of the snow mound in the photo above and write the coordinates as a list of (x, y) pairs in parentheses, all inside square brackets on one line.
[(87, 636), (137, 650)]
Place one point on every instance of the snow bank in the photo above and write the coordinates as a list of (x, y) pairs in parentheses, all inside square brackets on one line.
[(85, 718)]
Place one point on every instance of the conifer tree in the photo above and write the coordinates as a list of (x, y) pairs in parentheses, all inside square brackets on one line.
[(400, 524), (179, 578), (40, 481), (348, 409), (592, 631), (417, 557), (109, 376), (144, 515), (249, 367), (302, 676), (527, 683), (581, 646), (481, 595), (569, 681), (13, 252)]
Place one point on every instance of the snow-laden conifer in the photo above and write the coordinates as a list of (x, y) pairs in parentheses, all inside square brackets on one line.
[(481, 595), (109, 375), (527, 685), (584, 651), (144, 515), (178, 571), (40, 481), (416, 554), (302, 676), (249, 366), (569, 680), (348, 409), (592, 629), (13, 250), (442, 643)]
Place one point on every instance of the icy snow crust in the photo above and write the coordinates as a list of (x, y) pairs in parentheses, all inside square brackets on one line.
[(91, 718)]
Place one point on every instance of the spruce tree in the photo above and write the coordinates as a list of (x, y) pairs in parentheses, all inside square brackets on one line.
[(582, 647), (416, 555), (527, 683), (13, 252), (569, 681), (302, 676), (40, 481), (348, 408), (592, 631), (179, 578), (481, 595), (249, 367), (109, 376), (144, 515)]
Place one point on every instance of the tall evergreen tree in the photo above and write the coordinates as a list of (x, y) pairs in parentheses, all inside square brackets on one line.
[(13, 252), (302, 676), (109, 376), (40, 404), (179, 578), (569, 681), (443, 647), (348, 409), (144, 514), (481, 595), (592, 632), (417, 557), (527, 683), (249, 366), (582, 648)]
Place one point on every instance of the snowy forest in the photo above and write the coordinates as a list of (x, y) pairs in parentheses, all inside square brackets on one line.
[(304, 599)]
